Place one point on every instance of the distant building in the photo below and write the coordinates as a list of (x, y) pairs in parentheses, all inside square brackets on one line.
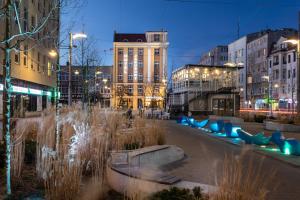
[(218, 56), (237, 54), (258, 51), (94, 86), (282, 63), (140, 70), (204, 89)]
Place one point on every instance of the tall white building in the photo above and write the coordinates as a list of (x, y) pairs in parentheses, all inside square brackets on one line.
[(283, 75), (237, 53)]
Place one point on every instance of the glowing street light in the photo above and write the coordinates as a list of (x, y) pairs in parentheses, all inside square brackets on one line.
[(78, 36), (291, 41), (76, 72), (52, 53)]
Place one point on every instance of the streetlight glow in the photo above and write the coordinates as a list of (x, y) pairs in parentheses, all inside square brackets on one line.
[(52, 53), (76, 72), (291, 41), (79, 35)]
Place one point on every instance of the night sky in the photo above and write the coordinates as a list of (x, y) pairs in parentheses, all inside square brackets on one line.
[(194, 26)]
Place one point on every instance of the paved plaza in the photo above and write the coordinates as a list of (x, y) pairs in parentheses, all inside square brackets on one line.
[(205, 157)]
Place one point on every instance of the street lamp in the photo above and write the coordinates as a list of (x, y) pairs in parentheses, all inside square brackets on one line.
[(52, 53), (296, 42), (72, 37)]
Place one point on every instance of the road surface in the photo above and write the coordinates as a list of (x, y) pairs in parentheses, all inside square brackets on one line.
[(205, 157)]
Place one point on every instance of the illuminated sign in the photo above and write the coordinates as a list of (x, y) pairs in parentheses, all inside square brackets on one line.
[(23, 90)]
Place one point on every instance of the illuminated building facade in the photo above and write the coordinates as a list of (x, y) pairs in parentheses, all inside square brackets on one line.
[(95, 84), (282, 65), (33, 70), (140, 70), (258, 51), (204, 89)]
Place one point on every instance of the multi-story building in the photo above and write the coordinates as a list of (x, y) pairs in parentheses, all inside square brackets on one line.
[(92, 83), (258, 51), (237, 55), (282, 63), (140, 69), (218, 56), (32, 68), (204, 89)]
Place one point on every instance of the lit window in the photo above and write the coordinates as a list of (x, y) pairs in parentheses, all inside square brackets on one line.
[(49, 69)]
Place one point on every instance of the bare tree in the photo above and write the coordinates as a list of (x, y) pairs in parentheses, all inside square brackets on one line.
[(16, 31)]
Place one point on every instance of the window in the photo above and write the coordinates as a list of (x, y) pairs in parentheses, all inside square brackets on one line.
[(156, 52), (130, 64), (294, 56), (120, 64), (39, 59), (25, 55), (294, 73), (140, 90), (289, 74), (140, 64), (25, 21), (130, 77), (130, 89), (156, 38), (140, 77), (120, 52), (284, 74), (130, 51), (44, 62), (156, 65), (289, 58), (140, 52), (49, 69), (156, 77), (33, 23), (17, 57), (275, 60), (120, 77), (283, 59)]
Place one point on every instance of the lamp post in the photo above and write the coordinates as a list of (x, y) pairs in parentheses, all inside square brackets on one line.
[(53, 54), (71, 38), (296, 42)]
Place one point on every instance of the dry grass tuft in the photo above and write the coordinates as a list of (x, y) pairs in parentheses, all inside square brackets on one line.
[(242, 180)]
